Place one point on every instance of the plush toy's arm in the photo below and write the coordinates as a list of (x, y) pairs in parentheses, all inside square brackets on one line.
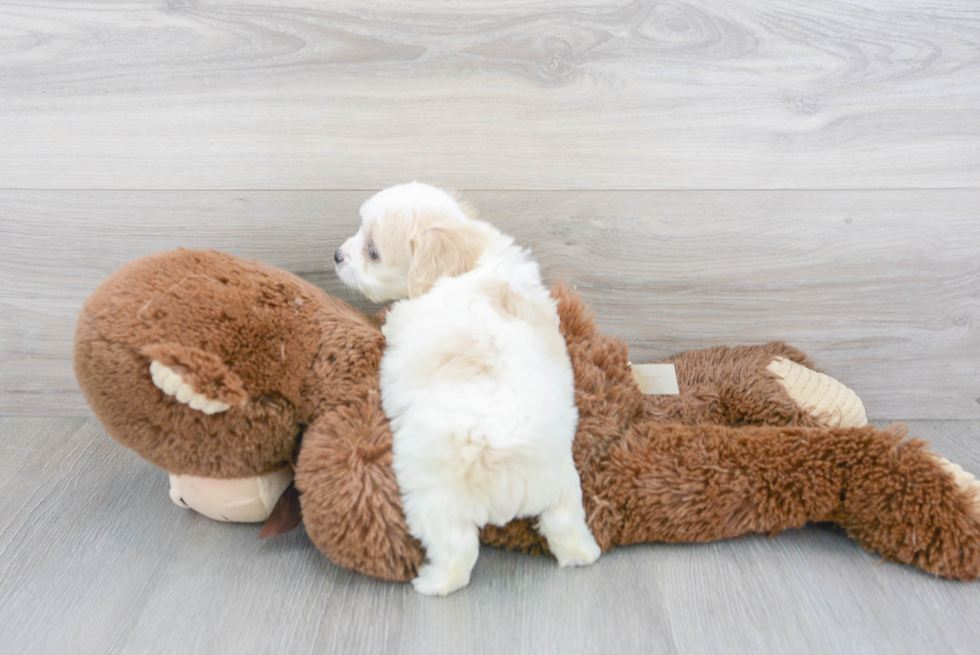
[(349, 496), (772, 384)]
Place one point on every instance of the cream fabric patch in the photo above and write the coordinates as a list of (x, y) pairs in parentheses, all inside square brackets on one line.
[(656, 379)]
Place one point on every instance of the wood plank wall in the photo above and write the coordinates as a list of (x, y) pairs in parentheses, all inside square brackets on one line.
[(716, 172)]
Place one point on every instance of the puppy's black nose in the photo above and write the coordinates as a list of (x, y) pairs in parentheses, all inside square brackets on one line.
[(338, 256)]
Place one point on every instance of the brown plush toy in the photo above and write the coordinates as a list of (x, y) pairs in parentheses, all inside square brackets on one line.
[(227, 373)]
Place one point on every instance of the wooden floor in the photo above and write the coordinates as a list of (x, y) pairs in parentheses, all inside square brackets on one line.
[(95, 558)]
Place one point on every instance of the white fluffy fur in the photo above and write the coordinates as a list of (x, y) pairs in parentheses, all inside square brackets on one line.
[(475, 378)]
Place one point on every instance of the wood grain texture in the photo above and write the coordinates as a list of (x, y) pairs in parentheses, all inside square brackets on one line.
[(310, 94), (881, 288), (95, 558)]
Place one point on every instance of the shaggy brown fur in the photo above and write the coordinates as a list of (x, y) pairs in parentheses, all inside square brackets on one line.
[(731, 455)]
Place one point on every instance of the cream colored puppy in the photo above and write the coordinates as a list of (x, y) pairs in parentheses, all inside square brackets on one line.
[(475, 379)]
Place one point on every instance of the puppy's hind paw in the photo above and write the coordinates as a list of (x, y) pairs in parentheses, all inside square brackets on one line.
[(568, 535), (437, 581), (583, 555), (580, 552)]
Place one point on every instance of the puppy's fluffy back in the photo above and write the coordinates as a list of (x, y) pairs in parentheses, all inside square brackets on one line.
[(479, 386)]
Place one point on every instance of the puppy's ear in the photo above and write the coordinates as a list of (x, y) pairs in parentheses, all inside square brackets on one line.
[(444, 250)]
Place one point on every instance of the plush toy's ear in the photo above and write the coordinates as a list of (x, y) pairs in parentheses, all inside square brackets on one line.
[(211, 386), (444, 250)]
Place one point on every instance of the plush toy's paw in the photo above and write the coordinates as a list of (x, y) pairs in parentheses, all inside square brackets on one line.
[(965, 481), (435, 580), (237, 500), (821, 396), (170, 383)]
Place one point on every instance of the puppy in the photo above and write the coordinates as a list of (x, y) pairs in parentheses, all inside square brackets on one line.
[(475, 379)]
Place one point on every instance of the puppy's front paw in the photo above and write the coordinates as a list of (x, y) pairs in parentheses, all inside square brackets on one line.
[(437, 581), (581, 551)]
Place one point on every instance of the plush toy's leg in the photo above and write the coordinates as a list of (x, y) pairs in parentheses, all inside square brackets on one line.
[(702, 483), (914, 506), (772, 384)]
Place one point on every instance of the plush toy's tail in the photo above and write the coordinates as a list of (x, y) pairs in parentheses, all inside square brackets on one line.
[(702, 483)]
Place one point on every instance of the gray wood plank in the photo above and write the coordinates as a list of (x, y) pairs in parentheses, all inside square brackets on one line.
[(94, 558), (881, 288), (580, 94)]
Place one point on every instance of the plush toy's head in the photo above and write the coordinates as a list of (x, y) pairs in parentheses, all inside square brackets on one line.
[(284, 361), (210, 366)]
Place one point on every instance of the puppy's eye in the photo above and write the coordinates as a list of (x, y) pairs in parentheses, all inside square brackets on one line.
[(373, 253)]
